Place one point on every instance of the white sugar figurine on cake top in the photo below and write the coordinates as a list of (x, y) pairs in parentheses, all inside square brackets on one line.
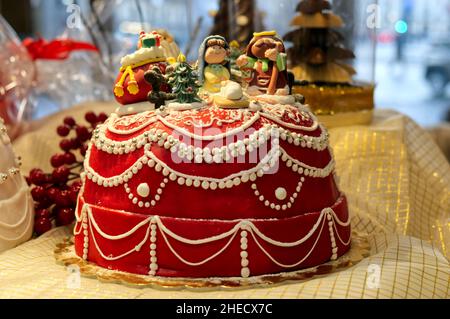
[(16, 204)]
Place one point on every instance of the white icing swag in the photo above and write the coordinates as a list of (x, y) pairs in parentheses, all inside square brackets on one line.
[(87, 224)]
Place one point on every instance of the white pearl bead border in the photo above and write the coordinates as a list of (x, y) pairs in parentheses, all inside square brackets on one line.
[(152, 161), (84, 225), (208, 155), (277, 206), (334, 248), (245, 270), (14, 171), (153, 267)]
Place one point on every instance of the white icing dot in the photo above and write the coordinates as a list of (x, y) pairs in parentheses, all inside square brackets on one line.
[(143, 190), (153, 266), (245, 272), (244, 262), (181, 180), (188, 182), (244, 254), (213, 185), (172, 176), (196, 183), (205, 184), (280, 193)]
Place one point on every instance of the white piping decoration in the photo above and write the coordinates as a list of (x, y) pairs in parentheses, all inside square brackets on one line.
[(137, 201), (128, 120), (12, 172), (248, 144), (243, 226), (275, 205), (149, 158), (153, 267), (245, 271)]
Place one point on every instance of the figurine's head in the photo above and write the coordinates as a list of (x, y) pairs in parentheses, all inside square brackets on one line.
[(214, 50), (263, 41)]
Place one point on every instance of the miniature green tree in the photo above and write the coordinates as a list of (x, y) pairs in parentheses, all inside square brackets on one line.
[(184, 82)]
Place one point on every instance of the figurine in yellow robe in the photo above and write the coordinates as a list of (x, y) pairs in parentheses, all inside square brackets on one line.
[(214, 65)]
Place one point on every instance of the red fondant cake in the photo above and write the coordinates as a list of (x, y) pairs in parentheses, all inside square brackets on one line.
[(211, 191)]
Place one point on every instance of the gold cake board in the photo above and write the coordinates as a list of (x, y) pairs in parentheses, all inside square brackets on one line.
[(65, 255)]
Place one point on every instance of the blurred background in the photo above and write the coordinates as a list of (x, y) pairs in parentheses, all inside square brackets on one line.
[(405, 51)]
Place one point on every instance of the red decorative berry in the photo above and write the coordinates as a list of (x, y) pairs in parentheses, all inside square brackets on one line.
[(90, 117), (44, 203), (42, 213), (63, 130), (83, 133), (42, 225), (66, 144), (54, 198), (38, 193), (62, 199), (74, 189), (61, 174), (57, 160), (37, 177), (102, 117), (52, 192), (64, 216), (83, 149), (69, 158), (75, 143), (70, 121)]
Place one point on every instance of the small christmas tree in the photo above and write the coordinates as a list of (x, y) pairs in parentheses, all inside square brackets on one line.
[(317, 52), (184, 82)]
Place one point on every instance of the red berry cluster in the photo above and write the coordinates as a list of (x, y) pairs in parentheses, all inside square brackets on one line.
[(55, 194)]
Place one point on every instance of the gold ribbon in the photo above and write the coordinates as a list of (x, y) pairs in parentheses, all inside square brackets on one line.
[(132, 87)]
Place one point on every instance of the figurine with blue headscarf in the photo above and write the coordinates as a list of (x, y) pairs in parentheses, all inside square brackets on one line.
[(213, 63)]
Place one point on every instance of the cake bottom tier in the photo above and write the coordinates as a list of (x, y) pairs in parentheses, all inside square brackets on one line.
[(192, 248)]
